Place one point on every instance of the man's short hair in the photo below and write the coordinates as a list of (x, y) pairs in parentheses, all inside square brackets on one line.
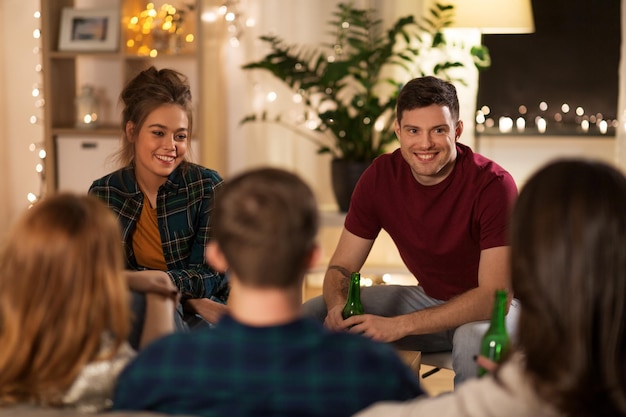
[(266, 222), (425, 91)]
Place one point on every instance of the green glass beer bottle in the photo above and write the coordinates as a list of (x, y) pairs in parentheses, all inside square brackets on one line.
[(496, 342), (353, 303)]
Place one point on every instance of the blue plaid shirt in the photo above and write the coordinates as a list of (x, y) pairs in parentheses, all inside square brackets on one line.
[(184, 205), (295, 369)]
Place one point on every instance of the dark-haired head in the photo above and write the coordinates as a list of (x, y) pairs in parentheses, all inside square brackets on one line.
[(425, 91), (569, 271)]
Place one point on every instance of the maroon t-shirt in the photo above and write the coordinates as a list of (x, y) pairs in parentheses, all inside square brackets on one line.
[(439, 230)]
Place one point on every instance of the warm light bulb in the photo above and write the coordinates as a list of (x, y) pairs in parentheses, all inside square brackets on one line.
[(541, 124), (585, 125), (505, 124)]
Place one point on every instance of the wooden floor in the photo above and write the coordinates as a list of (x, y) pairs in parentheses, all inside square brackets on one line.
[(435, 384)]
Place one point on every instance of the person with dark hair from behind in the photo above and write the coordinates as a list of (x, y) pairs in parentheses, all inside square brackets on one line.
[(263, 358), (163, 201), (65, 307), (568, 260)]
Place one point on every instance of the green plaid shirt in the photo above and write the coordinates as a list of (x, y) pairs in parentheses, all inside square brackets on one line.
[(294, 369), (184, 205)]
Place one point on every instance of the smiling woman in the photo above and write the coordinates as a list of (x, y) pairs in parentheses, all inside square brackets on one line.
[(162, 200)]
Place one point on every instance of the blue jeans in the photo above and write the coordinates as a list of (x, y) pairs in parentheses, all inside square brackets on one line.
[(395, 300), (138, 317)]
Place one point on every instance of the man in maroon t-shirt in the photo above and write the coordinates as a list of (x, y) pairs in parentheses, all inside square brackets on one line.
[(447, 210)]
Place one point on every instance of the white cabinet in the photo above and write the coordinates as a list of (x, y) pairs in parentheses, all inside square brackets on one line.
[(80, 160)]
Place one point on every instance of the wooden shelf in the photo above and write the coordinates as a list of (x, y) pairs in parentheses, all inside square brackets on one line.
[(64, 72)]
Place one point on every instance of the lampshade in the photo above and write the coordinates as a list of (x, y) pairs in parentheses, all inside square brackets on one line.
[(494, 16)]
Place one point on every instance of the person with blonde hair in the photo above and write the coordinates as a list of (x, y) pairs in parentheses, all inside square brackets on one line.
[(568, 267), (64, 306)]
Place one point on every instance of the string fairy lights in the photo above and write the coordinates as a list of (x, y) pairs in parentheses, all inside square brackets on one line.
[(159, 29), (39, 148), (236, 22)]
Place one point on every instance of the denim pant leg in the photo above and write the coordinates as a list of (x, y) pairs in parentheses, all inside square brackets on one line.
[(394, 300), (138, 318), (467, 339)]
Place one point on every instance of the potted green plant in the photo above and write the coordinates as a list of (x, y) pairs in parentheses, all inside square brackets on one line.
[(350, 88)]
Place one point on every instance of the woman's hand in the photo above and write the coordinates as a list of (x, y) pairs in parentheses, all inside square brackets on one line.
[(488, 365), (152, 281)]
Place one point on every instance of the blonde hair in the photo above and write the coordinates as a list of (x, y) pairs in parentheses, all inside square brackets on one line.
[(61, 289)]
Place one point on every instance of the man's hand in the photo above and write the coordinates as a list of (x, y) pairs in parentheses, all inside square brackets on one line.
[(334, 321), (381, 329), (209, 310), (152, 281)]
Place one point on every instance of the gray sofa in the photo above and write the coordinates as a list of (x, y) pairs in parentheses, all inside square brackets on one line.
[(33, 411)]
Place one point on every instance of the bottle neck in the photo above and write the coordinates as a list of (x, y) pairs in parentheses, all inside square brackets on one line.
[(354, 291), (499, 310)]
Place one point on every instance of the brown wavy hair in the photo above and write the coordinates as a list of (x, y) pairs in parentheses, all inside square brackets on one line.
[(569, 271), (61, 288), (150, 89)]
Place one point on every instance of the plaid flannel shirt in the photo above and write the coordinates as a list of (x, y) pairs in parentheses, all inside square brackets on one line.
[(184, 205), (293, 369)]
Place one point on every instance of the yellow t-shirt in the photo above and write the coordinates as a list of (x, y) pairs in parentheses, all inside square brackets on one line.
[(147, 239)]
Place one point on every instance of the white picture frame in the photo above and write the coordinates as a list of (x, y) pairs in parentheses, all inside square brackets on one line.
[(89, 30)]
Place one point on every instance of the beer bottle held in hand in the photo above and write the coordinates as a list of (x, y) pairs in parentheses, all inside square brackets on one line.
[(353, 305), (496, 342)]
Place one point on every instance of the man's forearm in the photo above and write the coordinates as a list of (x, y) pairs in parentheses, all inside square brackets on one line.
[(474, 305), (335, 287)]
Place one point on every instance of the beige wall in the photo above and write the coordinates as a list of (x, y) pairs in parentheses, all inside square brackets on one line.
[(297, 20), (17, 163), (4, 171)]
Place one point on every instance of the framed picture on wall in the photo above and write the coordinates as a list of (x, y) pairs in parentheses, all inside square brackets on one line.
[(89, 30)]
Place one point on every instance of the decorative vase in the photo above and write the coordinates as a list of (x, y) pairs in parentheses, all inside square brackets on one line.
[(345, 175), (86, 108)]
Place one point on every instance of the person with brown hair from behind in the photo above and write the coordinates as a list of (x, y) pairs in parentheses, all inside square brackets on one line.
[(263, 358)]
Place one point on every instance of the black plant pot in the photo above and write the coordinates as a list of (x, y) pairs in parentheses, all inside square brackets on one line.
[(344, 175)]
